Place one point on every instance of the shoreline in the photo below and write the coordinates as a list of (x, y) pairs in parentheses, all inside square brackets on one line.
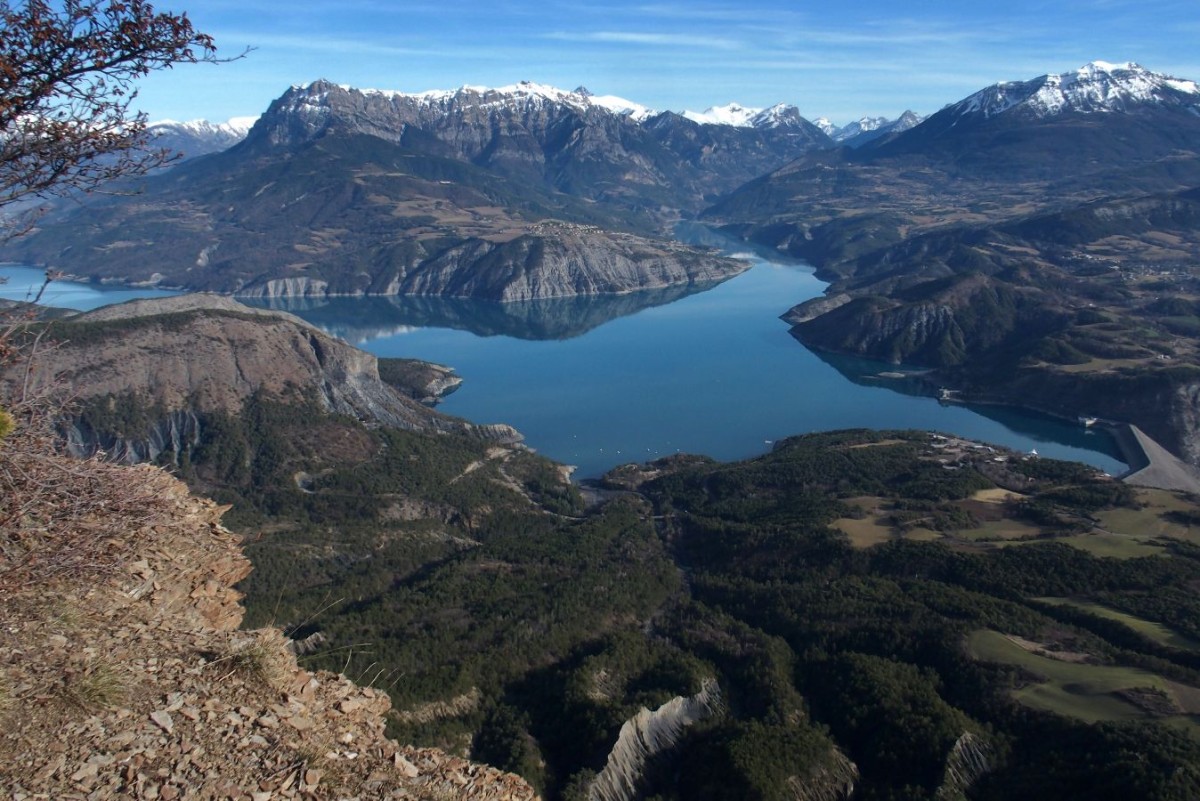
[(1149, 463)]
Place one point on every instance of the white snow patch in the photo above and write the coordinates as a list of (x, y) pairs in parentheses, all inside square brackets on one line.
[(733, 114)]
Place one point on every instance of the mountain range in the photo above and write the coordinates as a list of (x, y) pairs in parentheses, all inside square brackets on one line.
[(868, 129), (514, 194), (969, 242), (854, 614), (1020, 240), (517, 193)]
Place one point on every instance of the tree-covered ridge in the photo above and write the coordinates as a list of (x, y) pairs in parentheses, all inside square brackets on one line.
[(903, 613), (528, 634)]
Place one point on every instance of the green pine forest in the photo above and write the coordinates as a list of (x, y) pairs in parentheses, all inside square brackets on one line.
[(900, 613)]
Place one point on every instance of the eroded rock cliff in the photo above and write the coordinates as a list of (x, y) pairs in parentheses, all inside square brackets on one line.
[(649, 733), (177, 359)]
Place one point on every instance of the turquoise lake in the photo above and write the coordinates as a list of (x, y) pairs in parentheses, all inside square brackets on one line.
[(597, 382)]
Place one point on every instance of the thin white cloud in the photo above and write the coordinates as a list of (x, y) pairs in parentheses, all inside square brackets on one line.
[(649, 39), (324, 45)]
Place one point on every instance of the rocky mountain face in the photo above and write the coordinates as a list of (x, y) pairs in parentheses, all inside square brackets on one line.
[(604, 149), (1035, 226), (152, 372)]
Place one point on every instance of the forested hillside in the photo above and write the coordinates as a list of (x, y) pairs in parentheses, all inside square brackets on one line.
[(876, 615)]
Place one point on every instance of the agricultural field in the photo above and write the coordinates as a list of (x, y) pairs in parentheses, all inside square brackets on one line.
[(1159, 633), (1073, 684)]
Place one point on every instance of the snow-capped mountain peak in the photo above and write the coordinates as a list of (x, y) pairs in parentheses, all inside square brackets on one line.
[(234, 126), (862, 126), (197, 137), (825, 126), (866, 129), (733, 114), (780, 115), (1096, 87)]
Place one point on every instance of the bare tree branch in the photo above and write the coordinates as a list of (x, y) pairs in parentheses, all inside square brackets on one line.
[(68, 73)]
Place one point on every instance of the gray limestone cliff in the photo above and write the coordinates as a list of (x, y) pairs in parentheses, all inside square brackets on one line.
[(970, 759), (560, 261), (649, 733), (180, 358), (833, 782)]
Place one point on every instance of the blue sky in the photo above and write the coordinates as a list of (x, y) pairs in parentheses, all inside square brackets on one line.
[(841, 60)]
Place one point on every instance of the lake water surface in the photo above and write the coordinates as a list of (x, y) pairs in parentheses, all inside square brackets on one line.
[(597, 382), (23, 284)]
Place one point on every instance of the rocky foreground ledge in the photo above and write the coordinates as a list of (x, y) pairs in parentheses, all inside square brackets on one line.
[(123, 673)]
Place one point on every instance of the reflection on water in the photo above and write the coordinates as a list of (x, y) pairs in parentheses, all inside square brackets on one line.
[(360, 320), (600, 381), (712, 372)]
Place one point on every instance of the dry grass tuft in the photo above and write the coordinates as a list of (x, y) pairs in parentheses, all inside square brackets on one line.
[(99, 686), (6, 693), (258, 655)]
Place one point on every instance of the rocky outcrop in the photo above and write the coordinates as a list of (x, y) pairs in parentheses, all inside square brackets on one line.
[(832, 782), (649, 733), (563, 261), (812, 309), (195, 354), (970, 759), (150, 377), (287, 288), (168, 435), (126, 677)]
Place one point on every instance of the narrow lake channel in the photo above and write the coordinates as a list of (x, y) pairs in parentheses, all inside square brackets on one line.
[(597, 382)]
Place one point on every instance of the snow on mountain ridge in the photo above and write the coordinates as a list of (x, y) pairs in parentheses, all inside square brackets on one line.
[(733, 114), (525, 91), (859, 129), (237, 126), (864, 125), (1098, 86), (826, 126)]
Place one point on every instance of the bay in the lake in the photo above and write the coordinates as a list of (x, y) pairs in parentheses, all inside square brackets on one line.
[(24, 283), (597, 382)]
